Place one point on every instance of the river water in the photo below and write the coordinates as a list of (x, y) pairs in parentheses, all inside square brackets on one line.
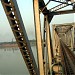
[(12, 63)]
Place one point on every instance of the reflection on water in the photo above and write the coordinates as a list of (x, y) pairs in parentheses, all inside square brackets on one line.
[(12, 63)]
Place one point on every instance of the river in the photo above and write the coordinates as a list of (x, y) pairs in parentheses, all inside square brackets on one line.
[(12, 63)]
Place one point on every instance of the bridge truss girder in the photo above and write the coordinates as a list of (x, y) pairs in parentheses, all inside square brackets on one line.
[(45, 45)]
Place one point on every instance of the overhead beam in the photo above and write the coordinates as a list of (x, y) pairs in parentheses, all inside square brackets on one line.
[(63, 2), (58, 7), (67, 24), (46, 5), (65, 27), (68, 29), (45, 11), (41, 6), (64, 12)]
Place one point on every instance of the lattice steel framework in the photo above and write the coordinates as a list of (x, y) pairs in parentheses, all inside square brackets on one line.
[(46, 58)]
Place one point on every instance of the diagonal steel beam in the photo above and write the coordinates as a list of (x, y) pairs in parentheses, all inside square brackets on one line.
[(41, 6), (60, 6), (45, 11), (68, 29), (63, 2), (13, 15)]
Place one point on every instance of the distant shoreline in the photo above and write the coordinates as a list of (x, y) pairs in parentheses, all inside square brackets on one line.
[(14, 44)]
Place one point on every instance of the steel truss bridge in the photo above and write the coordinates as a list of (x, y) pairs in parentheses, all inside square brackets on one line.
[(53, 59)]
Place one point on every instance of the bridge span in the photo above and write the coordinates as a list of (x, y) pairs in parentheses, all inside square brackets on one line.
[(55, 56)]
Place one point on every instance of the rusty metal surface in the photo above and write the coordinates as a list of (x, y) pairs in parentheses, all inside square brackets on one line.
[(66, 33), (38, 36), (61, 50), (56, 8), (63, 28), (17, 26), (64, 12), (47, 47), (49, 44), (69, 59), (66, 56)]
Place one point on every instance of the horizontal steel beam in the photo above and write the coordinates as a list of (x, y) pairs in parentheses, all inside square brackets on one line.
[(64, 12)]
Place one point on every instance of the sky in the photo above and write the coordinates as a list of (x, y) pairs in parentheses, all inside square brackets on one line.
[(26, 10)]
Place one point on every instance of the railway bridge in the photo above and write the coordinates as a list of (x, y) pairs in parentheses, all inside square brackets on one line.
[(55, 56)]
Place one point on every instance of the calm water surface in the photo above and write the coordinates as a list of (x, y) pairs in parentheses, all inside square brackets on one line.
[(12, 63)]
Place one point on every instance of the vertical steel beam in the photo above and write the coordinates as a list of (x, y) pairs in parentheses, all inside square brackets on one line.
[(45, 52), (54, 39), (38, 36), (73, 37), (44, 38), (49, 49), (72, 34), (44, 44)]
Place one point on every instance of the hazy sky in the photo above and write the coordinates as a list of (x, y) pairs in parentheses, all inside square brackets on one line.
[(26, 10)]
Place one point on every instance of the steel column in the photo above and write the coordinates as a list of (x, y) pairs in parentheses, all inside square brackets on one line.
[(45, 49), (47, 46), (38, 36), (48, 43)]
